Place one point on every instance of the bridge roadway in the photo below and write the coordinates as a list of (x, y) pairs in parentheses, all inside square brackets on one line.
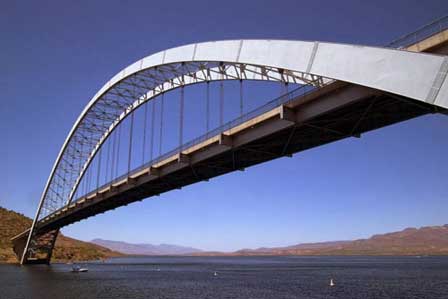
[(333, 112)]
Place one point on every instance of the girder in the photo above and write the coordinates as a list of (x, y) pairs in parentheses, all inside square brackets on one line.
[(116, 117), (417, 76)]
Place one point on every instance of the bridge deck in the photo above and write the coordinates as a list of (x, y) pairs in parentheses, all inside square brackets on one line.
[(329, 115), (333, 112)]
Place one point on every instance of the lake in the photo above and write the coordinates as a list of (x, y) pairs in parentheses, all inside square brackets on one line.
[(236, 277)]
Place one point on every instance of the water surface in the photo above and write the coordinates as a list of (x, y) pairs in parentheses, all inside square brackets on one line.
[(237, 277)]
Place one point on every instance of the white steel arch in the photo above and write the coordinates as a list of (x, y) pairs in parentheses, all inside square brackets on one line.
[(418, 76)]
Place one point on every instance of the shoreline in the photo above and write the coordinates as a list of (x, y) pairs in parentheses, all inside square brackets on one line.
[(230, 256)]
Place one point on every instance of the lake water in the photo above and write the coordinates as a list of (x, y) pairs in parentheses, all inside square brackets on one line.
[(237, 277)]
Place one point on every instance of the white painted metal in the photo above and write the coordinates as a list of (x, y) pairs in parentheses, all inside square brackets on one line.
[(401, 72), (418, 76)]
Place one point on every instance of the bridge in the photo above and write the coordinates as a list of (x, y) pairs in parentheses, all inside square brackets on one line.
[(329, 92)]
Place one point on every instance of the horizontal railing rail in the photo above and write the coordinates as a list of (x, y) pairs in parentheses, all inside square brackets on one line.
[(294, 95), (420, 34)]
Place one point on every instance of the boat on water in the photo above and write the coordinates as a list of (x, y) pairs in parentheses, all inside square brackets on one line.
[(78, 269)]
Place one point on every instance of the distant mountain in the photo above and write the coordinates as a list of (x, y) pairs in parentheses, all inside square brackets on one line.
[(66, 249), (430, 240), (145, 249)]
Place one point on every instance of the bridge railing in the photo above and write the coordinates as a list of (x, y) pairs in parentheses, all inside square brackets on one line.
[(281, 100), (420, 34), (426, 31)]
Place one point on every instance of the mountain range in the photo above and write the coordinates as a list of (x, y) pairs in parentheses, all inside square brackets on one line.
[(146, 249), (429, 240)]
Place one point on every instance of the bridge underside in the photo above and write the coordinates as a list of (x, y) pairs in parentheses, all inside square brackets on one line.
[(336, 111), (333, 113)]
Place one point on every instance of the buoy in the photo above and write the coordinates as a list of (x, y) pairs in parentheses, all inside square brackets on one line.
[(332, 283)]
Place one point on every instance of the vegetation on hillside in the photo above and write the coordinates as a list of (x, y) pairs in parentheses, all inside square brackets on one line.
[(66, 249)]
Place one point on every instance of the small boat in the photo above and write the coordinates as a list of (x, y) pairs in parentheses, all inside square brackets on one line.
[(332, 283), (215, 274), (78, 269)]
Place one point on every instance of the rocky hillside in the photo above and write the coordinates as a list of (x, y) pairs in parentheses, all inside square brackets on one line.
[(12, 223), (430, 240)]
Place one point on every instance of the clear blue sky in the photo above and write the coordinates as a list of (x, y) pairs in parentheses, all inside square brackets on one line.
[(56, 54)]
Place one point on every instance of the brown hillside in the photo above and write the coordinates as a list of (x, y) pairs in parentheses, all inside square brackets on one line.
[(12, 223), (430, 240)]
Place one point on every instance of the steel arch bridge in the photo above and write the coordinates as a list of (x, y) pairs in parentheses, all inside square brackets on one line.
[(344, 90)]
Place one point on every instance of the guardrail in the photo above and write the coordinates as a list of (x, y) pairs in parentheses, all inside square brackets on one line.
[(426, 31), (281, 100), (420, 34)]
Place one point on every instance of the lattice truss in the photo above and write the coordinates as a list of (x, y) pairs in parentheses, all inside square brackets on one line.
[(123, 98)]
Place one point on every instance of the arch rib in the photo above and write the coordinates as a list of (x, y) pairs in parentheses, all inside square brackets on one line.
[(400, 72)]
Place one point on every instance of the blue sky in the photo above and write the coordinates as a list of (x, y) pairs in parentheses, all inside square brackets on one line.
[(55, 56)]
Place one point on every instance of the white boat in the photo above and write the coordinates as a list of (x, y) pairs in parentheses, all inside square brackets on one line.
[(78, 269), (332, 283)]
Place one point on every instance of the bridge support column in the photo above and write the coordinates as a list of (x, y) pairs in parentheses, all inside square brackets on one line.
[(183, 159), (155, 172), (225, 140), (40, 248), (287, 114)]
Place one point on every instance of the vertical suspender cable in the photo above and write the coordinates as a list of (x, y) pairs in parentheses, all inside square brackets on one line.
[(85, 181), (79, 168), (284, 88), (99, 162), (221, 100), (118, 151), (99, 168), (145, 119), (92, 173), (91, 184), (241, 97), (88, 174), (161, 124), (114, 144), (88, 179), (153, 115), (131, 129), (58, 190), (64, 180), (181, 120), (207, 108), (91, 178), (84, 186), (107, 161)]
